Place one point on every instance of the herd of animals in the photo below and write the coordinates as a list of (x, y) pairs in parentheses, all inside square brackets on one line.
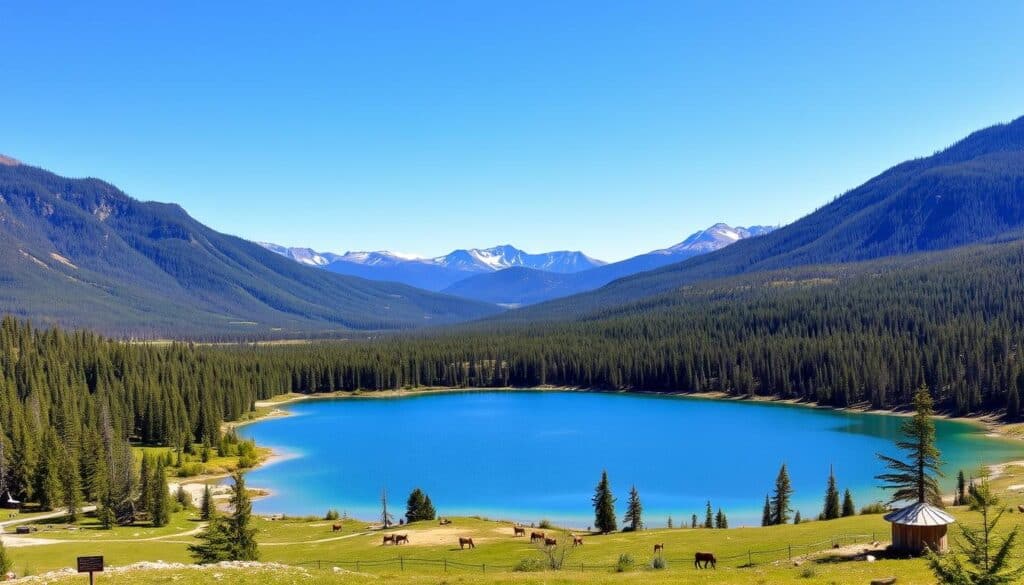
[(701, 560)]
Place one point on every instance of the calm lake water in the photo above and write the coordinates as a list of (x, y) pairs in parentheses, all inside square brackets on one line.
[(532, 455)]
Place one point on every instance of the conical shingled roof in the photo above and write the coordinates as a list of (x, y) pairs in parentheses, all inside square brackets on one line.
[(920, 514)]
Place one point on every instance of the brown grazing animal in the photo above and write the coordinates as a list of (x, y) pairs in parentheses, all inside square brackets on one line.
[(659, 548), (705, 558), (388, 538), (335, 527), (400, 538), (577, 540), (464, 542), (518, 531), (550, 542), (535, 536)]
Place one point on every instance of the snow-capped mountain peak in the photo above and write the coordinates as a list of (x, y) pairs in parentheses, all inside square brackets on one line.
[(715, 237), (306, 256)]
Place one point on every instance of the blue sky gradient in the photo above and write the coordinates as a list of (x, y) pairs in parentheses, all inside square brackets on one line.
[(614, 128)]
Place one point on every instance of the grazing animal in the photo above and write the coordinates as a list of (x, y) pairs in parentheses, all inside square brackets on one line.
[(1020, 508), (535, 536), (659, 548), (550, 542), (400, 538), (518, 531), (577, 540), (444, 522), (335, 527), (705, 558), (464, 542), (388, 538)]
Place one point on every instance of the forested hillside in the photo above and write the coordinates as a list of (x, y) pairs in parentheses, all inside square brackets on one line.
[(840, 334), (71, 402), (967, 193), (79, 252)]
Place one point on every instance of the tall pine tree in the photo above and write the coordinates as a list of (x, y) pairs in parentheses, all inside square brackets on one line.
[(634, 511), (914, 480), (780, 503), (604, 506), (831, 510)]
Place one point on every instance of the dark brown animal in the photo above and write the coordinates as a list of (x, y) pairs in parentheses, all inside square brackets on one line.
[(464, 542), (705, 558), (388, 538), (550, 542), (659, 548), (518, 531), (577, 540), (400, 538), (1020, 508), (335, 527), (535, 536)]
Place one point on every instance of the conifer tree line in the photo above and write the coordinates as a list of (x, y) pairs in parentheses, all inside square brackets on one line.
[(72, 403), (875, 338)]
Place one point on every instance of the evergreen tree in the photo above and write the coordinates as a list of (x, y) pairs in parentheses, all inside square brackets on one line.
[(160, 506), (47, 482), (229, 538), (848, 508), (419, 507), (720, 520), (796, 518), (604, 506), (916, 481), (709, 517), (634, 511), (831, 510), (145, 501), (960, 498), (780, 508), (984, 558), (183, 498), (207, 510), (669, 524), (71, 486), (766, 513), (693, 521), (1013, 400)]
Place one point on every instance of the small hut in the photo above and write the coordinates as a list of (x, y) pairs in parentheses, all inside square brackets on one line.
[(919, 526)]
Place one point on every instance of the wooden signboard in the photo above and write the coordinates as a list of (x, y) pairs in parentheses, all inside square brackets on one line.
[(90, 565)]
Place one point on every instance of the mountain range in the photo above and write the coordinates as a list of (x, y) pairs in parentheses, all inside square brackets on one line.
[(437, 273), (508, 276), (81, 253), (971, 192)]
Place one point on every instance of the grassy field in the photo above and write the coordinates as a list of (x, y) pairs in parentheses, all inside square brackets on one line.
[(315, 553)]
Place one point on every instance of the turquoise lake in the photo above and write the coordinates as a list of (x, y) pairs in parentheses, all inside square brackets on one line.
[(530, 455)]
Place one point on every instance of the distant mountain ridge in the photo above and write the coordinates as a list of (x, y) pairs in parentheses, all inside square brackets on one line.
[(970, 192), (509, 276), (523, 286), (437, 273), (81, 253)]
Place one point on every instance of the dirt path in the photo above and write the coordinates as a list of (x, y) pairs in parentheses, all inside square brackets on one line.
[(14, 541), (332, 539)]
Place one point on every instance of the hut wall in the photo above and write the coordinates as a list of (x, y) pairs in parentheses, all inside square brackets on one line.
[(913, 539)]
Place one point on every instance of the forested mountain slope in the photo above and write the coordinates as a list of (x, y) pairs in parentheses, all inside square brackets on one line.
[(836, 334), (81, 253), (969, 192)]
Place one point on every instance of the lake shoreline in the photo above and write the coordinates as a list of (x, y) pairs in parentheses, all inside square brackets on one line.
[(988, 421)]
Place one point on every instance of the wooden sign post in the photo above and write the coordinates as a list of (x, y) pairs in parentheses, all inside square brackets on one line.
[(90, 565)]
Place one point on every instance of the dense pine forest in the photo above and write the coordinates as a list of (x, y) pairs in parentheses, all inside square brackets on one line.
[(71, 403)]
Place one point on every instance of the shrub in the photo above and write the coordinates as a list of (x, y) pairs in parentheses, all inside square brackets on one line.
[(874, 508), (191, 469), (624, 563), (529, 566), (332, 514), (245, 461), (659, 563), (545, 524), (808, 572)]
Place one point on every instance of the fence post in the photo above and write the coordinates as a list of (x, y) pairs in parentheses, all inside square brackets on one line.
[(483, 567), (318, 564), (446, 564), (401, 560), (791, 552)]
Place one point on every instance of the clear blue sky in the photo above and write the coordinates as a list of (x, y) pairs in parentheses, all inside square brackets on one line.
[(614, 127)]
